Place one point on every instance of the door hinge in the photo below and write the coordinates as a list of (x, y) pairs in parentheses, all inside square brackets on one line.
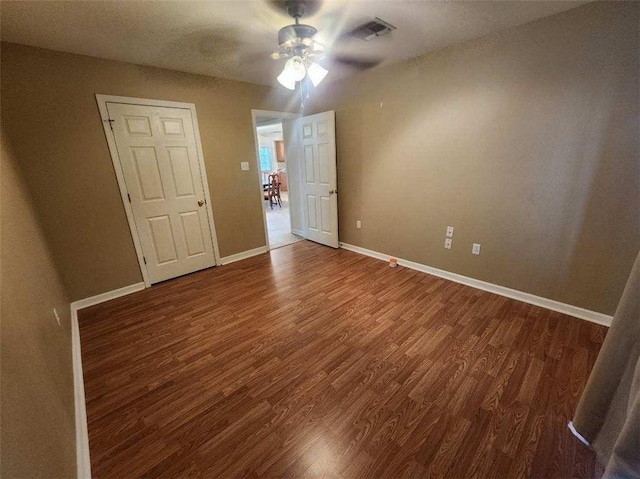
[(144, 259), (129, 196), (110, 123)]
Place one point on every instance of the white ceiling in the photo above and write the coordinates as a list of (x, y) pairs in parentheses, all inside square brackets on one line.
[(233, 39), (271, 131)]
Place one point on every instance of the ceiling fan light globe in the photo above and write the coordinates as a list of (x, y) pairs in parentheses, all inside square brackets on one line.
[(295, 68), (286, 81), (316, 73)]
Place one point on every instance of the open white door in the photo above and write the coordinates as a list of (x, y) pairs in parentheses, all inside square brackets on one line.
[(319, 178)]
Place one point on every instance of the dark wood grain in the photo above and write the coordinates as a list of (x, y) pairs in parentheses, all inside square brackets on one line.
[(313, 362)]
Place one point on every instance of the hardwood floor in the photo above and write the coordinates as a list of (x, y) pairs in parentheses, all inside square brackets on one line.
[(313, 362)]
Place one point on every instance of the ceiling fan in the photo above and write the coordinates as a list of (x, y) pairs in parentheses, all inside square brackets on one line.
[(299, 44)]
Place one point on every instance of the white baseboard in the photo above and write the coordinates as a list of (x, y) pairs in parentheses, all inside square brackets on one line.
[(575, 432), (244, 255), (551, 304), (83, 459), (298, 232), (101, 298)]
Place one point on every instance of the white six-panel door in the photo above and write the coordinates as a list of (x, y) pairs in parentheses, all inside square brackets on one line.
[(158, 153), (319, 178)]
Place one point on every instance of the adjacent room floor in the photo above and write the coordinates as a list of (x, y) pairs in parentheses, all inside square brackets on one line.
[(279, 223), (314, 362)]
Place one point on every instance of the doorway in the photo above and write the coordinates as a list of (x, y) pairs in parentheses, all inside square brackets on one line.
[(276, 149)]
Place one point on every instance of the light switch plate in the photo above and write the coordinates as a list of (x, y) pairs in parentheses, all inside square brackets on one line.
[(244, 165), (476, 248), (358, 224)]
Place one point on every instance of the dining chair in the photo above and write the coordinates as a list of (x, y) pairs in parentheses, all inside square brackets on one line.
[(273, 191)]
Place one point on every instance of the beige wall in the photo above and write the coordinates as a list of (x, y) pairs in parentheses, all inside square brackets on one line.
[(37, 435), (524, 141), (49, 113)]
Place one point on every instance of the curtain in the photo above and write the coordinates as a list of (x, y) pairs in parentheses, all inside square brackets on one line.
[(608, 414)]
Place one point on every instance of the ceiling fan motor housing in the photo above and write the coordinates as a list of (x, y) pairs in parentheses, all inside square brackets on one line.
[(298, 40), (297, 35)]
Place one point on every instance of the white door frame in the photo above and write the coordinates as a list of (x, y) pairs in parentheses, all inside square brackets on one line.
[(281, 115), (117, 166)]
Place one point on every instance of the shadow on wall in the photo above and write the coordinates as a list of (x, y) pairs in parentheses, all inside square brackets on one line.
[(38, 427), (599, 231)]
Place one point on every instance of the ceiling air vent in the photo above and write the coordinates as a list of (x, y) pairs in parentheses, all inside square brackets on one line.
[(372, 29)]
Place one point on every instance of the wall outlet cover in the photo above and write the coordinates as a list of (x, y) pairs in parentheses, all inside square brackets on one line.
[(244, 165), (358, 224), (447, 243), (449, 231)]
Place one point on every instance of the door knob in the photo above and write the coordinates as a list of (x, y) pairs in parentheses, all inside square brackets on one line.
[(333, 192), (200, 203)]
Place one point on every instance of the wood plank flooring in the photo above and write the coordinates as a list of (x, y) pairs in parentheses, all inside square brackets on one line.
[(313, 362)]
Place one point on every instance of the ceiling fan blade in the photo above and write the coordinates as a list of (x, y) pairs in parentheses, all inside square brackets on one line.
[(356, 62)]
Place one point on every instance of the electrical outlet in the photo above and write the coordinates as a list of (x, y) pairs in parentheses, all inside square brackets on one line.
[(476, 248), (449, 231), (244, 165), (447, 243), (55, 313), (358, 224)]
